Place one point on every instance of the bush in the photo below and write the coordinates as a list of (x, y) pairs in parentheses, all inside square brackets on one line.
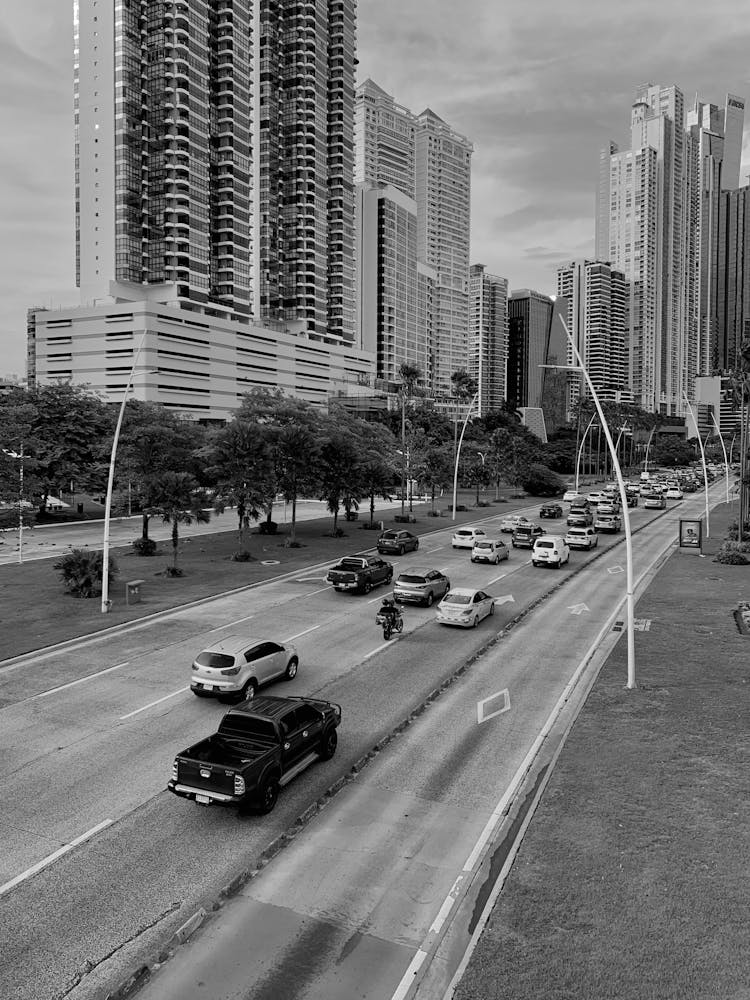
[(81, 572), (241, 556), (732, 532), (542, 482), (268, 528), (173, 571), (145, 546), (729, 557)]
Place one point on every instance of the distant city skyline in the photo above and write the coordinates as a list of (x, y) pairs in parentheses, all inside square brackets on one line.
[(536, 95)]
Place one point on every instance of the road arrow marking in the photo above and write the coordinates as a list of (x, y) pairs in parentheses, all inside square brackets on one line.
[(576, 609), (483, 715), (505, 599)]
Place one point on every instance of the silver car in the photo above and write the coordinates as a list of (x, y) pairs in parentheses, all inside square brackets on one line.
[(233, 668), (465, 607), (420, 585)]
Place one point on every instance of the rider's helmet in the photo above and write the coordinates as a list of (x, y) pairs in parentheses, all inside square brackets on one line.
[(388, 602)]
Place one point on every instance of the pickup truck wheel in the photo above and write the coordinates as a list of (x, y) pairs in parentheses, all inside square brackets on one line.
[(328, 744), (430, 599), (291, 669), (201, 694), (367, 587), (267, 795)]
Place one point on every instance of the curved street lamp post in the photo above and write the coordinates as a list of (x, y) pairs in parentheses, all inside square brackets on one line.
[(458, 450), (630, 602)]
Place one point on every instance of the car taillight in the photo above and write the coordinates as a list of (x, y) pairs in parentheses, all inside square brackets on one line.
[(467, 612), (239, 785), (231, 671), (174, 771)]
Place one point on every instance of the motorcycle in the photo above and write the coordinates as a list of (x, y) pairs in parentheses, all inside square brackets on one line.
[(390, 623)]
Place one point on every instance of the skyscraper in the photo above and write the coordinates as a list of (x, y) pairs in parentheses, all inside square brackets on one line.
[(662, 231), (529, 326), (427, 160), (214, 158), (488, 336), (597, 296), (443, 196)]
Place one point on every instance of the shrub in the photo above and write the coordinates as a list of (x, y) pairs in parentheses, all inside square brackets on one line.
[(242, 556), (173, 571), (81, 572), (732, 532), (730, 557), (268, 528), (145, 546), (542, 482)]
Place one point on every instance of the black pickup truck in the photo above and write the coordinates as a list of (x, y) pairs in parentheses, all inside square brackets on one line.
[(360, 573), (260, 746)]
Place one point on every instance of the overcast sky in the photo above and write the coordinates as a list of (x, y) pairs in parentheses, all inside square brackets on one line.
[(537, 85)]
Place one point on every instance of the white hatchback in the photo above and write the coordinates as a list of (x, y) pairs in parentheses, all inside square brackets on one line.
[(464, 538)]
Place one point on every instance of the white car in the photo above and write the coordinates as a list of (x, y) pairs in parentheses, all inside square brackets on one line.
[(464, 607), (464, 538), (674, 493), (597, 497), (512, 521), (582, 538), (569, 495), (550, 550), (233, 668)]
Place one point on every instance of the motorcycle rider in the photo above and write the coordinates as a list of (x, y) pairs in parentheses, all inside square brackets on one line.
[(389, 610)]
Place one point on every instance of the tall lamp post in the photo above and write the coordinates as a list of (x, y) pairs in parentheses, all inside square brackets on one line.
[(723, 448), (703, 458), (20, 456), (458, 450), (106, 603), (580, 449), (623, 502)]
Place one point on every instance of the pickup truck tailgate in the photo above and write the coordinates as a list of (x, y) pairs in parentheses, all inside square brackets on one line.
[(211, 777)]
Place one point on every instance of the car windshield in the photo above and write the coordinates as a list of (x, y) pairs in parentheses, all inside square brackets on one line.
[(208, 659), (410, 578), (457, 599), (483, 545)]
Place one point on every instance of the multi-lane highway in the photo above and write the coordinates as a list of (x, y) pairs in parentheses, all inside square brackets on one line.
[(101, 865)]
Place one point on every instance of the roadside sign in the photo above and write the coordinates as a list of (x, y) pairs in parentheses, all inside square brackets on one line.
[(690, 537)]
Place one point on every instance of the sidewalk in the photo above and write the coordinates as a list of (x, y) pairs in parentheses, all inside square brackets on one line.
[(633, 879)]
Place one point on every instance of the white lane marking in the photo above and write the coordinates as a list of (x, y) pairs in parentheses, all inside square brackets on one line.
[(576, 609), (152, 703), (309, 579), (321, 591), (229, 624), (505, 599), (496, 578), (383, 645), (53, 857), (483, 716), (80, 680), (312, 629), (428, 552)]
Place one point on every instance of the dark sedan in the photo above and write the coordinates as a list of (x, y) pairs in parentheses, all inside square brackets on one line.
[(396, 541), (551, 510)]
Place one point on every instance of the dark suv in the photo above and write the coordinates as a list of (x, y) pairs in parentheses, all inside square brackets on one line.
[(580, 517), (525, 535)]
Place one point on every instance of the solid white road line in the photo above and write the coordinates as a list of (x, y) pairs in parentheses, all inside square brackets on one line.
[(80, 680), (53, 857), (496, 578), (152, 703), (301, 633)]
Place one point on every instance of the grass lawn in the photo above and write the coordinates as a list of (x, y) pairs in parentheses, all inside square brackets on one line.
[(633, 881), (37, 612)]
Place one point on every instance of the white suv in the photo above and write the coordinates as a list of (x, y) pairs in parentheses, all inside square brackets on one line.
[(582, 538), (233, 668), (550, 550)]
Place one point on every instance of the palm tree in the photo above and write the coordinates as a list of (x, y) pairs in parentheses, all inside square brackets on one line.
[(178, 500)]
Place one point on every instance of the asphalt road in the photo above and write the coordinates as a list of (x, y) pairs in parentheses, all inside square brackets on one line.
[(89, 736)]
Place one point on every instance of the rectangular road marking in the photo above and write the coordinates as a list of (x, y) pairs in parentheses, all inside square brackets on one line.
[(229, 624), (152, 703), (312, 629), (53, 857), (80, 680)]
